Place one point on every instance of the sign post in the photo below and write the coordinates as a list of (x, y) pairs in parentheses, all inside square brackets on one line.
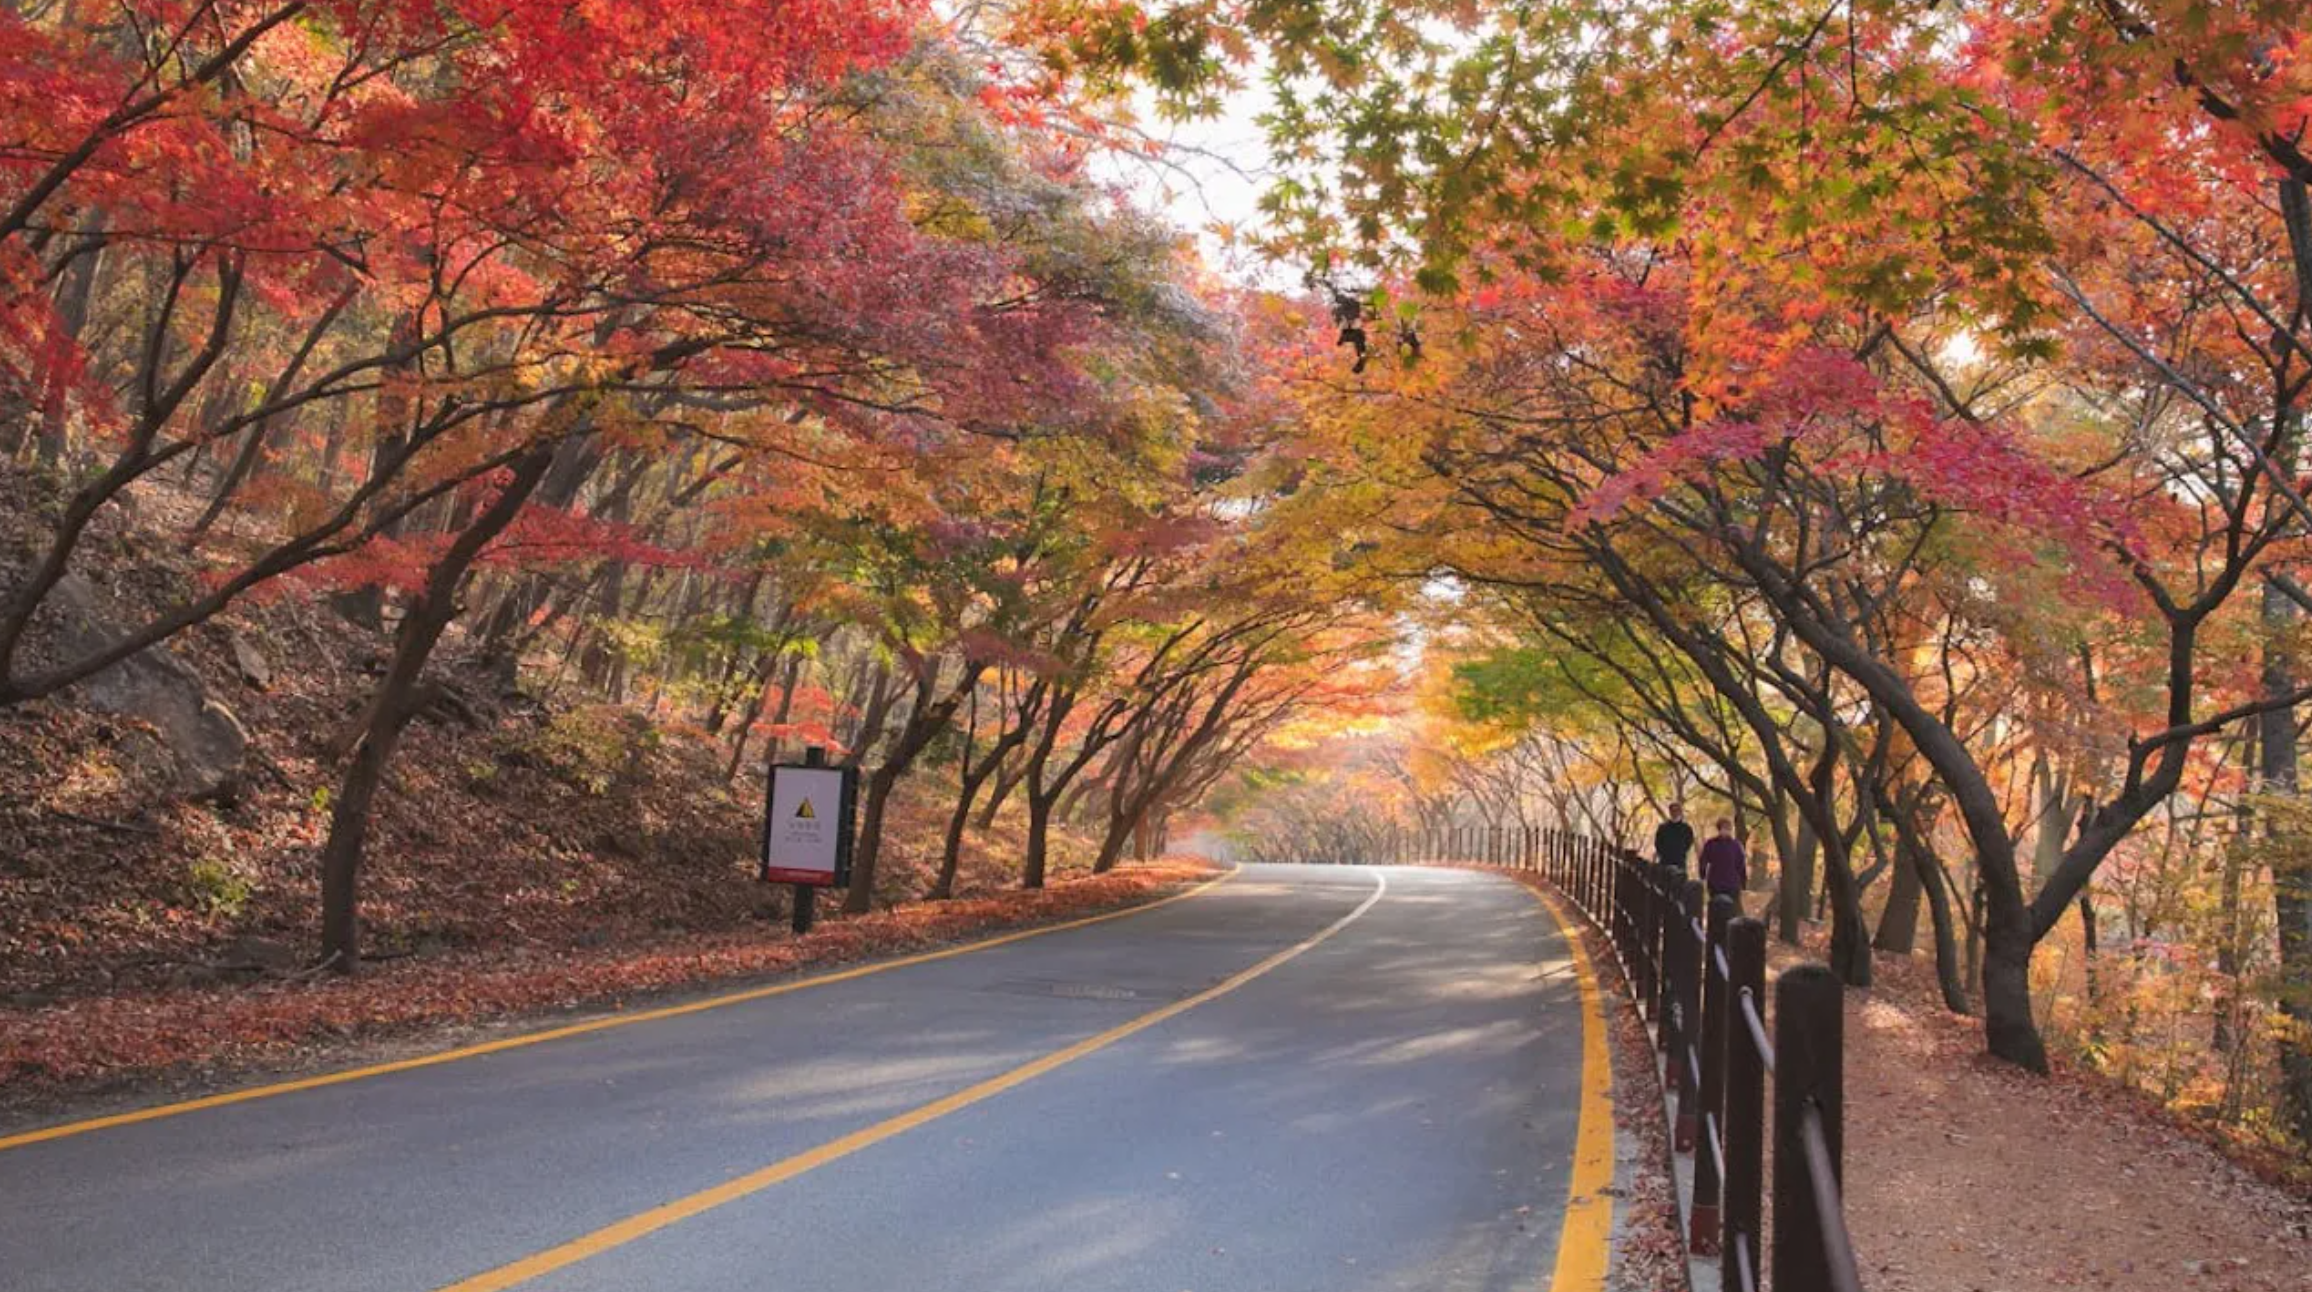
[(808, 823)]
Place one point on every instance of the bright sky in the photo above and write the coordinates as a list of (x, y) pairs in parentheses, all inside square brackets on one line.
[(1212, 176)]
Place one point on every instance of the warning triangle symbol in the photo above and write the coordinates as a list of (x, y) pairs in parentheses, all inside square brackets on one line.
[(804, 813)]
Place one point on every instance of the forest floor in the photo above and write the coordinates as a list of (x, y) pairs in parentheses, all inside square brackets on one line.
[(534, 847), (1964, 1174)]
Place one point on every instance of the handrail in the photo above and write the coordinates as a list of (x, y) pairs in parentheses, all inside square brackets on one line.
[(1822, 1173), (1759, 1040), (1746, 1277)]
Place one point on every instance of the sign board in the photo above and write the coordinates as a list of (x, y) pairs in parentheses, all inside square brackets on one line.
[(808, 827)]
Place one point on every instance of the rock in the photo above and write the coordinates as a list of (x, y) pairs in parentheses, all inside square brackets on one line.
[(268, 954), (30, 1000), (254, 668), (205, 744)]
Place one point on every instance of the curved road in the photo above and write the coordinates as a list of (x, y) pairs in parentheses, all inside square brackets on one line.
[(1298, 1080)]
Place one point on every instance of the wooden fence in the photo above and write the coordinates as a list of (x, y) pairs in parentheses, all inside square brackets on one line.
[(1697, 972)]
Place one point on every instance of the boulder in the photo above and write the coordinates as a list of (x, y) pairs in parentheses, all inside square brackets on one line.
[(205, 744), (254, 668)]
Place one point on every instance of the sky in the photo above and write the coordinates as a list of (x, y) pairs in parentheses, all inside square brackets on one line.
[(1212, 175)]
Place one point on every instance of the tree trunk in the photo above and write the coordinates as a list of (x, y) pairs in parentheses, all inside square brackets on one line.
[(1039, 838), (2088, 969), (868, 850), (260, 432), (1071, 804), (1797, 885), (1849, 935), (1950, 975), (873, 712), (574, 464), (779, 717), (73, 296), (1914, 853), (727, 691), (1009, 738), (365, 606), (2291, 886), (2008, 1025), (398, 699), (599, 664), (1112, 843), (1006, 781), (951, 848), (929, 717), (2224, 1035), (1898, 929), (1971, 963)]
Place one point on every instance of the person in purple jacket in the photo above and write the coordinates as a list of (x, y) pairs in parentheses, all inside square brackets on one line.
[(1725, 869)]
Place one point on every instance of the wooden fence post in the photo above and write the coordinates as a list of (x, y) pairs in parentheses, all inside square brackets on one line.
[(1682, 1056), (1649, 985), (1809, 1080), (1744, 1188), (1716, 996), (1671, 1032)]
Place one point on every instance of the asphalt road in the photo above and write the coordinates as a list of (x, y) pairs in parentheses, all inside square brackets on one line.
[(1301, 1080)]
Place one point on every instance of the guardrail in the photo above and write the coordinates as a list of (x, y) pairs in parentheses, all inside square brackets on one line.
[(1698, 974)]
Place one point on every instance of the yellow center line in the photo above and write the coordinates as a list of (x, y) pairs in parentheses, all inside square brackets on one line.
[(182, 1107), (649, 1222), (1585, 1241)]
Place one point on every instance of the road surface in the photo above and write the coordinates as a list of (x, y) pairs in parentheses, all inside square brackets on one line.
[(1303, 1079)]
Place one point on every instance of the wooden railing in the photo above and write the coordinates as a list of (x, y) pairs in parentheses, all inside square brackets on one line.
[(1697, 972)]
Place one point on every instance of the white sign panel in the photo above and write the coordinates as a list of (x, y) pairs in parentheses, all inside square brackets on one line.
[(803, 843)]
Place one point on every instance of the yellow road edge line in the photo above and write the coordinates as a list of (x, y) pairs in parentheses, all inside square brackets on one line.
[(642, 1224), (159, 1111), (1585, 1243)]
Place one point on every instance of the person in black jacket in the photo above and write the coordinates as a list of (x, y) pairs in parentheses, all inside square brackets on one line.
[(1673, 839)]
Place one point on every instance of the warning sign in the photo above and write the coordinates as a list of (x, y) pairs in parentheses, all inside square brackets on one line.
[(807, 830)]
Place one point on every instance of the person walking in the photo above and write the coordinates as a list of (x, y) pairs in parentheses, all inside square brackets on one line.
[(1673, 839), (1725, 868)]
